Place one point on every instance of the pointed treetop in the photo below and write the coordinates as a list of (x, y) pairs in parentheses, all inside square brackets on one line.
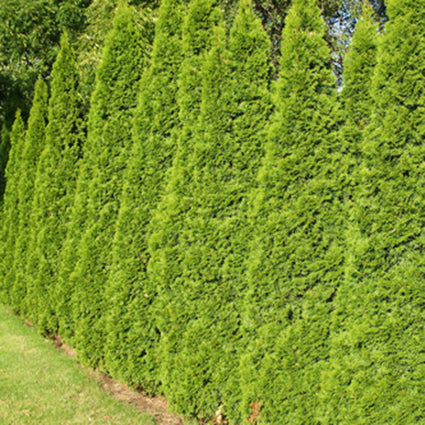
[(16, 145), (37, 119), (249, 44), (122, 42), (305, 64), (202, 16), (359, 65)]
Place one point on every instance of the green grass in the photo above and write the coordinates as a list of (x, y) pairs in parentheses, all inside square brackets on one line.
[(39, 385)]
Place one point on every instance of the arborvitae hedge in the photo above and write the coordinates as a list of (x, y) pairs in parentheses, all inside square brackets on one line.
[(378, 344), (166, 248), (4, 154), (109, 137), (297, 301), (227, 154), (359, 66), (53, 190), (295, 266), (9, 218), (34, 145), (357, 105), (14, 101), (131, 327)]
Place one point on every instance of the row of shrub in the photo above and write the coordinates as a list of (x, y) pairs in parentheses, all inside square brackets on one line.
[(233, 242)]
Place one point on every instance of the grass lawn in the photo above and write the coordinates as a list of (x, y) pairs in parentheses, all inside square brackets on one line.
[(41, 386)]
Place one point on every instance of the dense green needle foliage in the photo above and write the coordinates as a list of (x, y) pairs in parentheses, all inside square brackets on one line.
[(166, 246), (227, 152), (131, 329), (357, 106), (34, 145), (359, 66), (4, 156), (9, 218), (295, 265), (105, 159), (53, 190), (249, 245), (13, 102), (377, 349)]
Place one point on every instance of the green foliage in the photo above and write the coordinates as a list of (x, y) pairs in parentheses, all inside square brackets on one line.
[(105, 159), (260, 257), (357, 106), (377, 352), (34, 145), (99, 20), (340, 17), (359, 66), (53, 190), (13, 102), (131, 321), (226, 156), (4, 156), (295, 264), (165, 247), (9, 218), (29, 35)]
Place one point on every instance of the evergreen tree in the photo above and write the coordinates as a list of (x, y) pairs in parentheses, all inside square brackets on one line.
[(359, 66), (227, 153), (164, 267), (99, 19), (4, 153), (34, 144), (14, 101), (53, 190), (9, 218), (357, 106), (131, 322), (377, 344), (111, 113), (295, 265)]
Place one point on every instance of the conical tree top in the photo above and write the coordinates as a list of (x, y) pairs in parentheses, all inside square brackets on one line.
[(399, 72), (16, 146), (305, 64), (249, 45), (63, 108), (123, 42), (359, 66), (202, 16)]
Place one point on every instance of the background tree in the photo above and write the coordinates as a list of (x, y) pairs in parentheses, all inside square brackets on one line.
[(29, 35), (101, 183), (53, 190), (295, 265), (130, 323), (9, 218)]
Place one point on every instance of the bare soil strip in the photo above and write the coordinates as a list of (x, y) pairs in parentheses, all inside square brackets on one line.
[(154, 406)]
